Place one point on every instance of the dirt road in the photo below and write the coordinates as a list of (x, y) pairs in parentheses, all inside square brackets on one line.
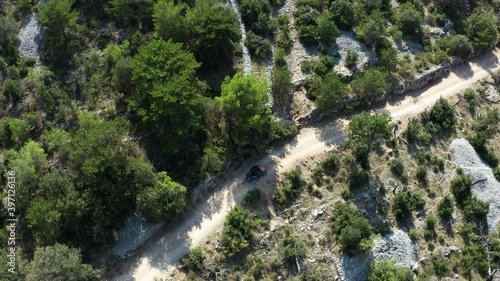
[(165, 249)]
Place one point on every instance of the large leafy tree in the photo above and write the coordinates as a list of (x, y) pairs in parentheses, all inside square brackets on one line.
[(59, 18), (482, 29), (166, 93), (214, 33), (60, 263), (163, 201), (244, 99)]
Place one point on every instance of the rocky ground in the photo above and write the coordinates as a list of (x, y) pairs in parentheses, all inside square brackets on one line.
[(485, 187), (30, 37)]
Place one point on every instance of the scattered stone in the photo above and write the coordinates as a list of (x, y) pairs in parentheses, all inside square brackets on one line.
[(492, 94), (311, 260), (30, 37)]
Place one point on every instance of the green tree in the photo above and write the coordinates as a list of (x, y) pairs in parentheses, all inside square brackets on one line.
[(330, 92), (281, 89), (372, 30), (351, 59), (133, 11), (388, 59), (214, 33), (369, 129), (237, 231), (195, 259), (385, 270), (482, 28), (60, 263), (409, 19), (44, 220), (58, 18), (244, 99), (343, 13), (170, 21), (327, 30), (476, 210), (352, 231), (405, 202), (163, 201), (166, 93), (8, 33), (442, 114), (460, 46), (369, 85), (251, 10)]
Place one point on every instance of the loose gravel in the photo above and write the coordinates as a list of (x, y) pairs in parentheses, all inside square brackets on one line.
[(135, 232), (486, 186), (30, 37)]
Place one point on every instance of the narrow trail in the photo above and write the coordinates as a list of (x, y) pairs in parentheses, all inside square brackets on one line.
[(30, 37), (157, 258), (247, 60)]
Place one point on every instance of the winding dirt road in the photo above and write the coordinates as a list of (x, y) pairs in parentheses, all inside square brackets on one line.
[(165, 249)]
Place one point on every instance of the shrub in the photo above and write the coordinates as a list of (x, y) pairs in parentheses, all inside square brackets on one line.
[(331, 164), (460, 46), (194, 260), (478, 141), (372, 30), (405, 202), (422, 175), (461, 187), (471, 98), (292, 249), (409, 19), (397, 167), (369, 85), (416, 132), (476, 210), (343, 13), (280, 130), (291, 189), (481, 28), (443, 114), (388, 271), (327, 30), (445, 208), (352, 59), (352, 231), (474, 259), (252, 196), (497, 173), (237, 231), (358, 179), (258, 45)]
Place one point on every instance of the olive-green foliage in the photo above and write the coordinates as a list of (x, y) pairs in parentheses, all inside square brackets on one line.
[(244, 100), (258, 46), (321, 66), (385, 270), (460, 46), (405, 202), (166, 92), (305, 18), (59, 19), (8, 33), (281, 89), (478, 141), (133, 12), (368, 129), (214, 34), (358, 179), (409, 19), (351, 59), (194, 260), (11, 90), (237, 232), (388, 59), (292, 249), (60, 262), (497, 173), (281, 130), (372, 30), (474, 259), (398, 168), (291, 189), (163, 201), (476, 210), (343, 14), (252, 196), (471, 98), (461, 187), (487, 123), (327, 30), (352, 231), (445, 208), (369, 85), (421, 174), (255, 15), (440, 266), (331, 164), (329, 92), (169, 20), (482, 28), (441, 117)]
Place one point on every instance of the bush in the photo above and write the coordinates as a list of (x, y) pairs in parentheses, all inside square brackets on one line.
[(292, 249), (387, 271), (281, 89), (369, 85), (358, 179), (461, 187), (282, 130), (476, 210), (445, 208), (478, 141), (372, 30), (422, 175), (471, 98), (352, 231), (329, 92), (343, 13), (405, 202), (351, 60), (252, 196), (397, 167), (497, 173), (482, 28), (443, 114), (416, 132), (474, 259), (258, 46), (331, 164), (194, 260), (460, 46), (238, 228), (327, 30), (291, 189), (409, 19)]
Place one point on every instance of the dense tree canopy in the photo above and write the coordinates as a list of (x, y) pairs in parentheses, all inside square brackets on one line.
[(343, 13), (166, 93), (482, 29), (409, 19), (369, 85), (59, 18), (244, 99), (170, 21), (330, 93)]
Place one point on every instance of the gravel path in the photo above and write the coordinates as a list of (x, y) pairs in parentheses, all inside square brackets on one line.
[(135, 232), (247, 61), (487, 187), (30, 37)]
